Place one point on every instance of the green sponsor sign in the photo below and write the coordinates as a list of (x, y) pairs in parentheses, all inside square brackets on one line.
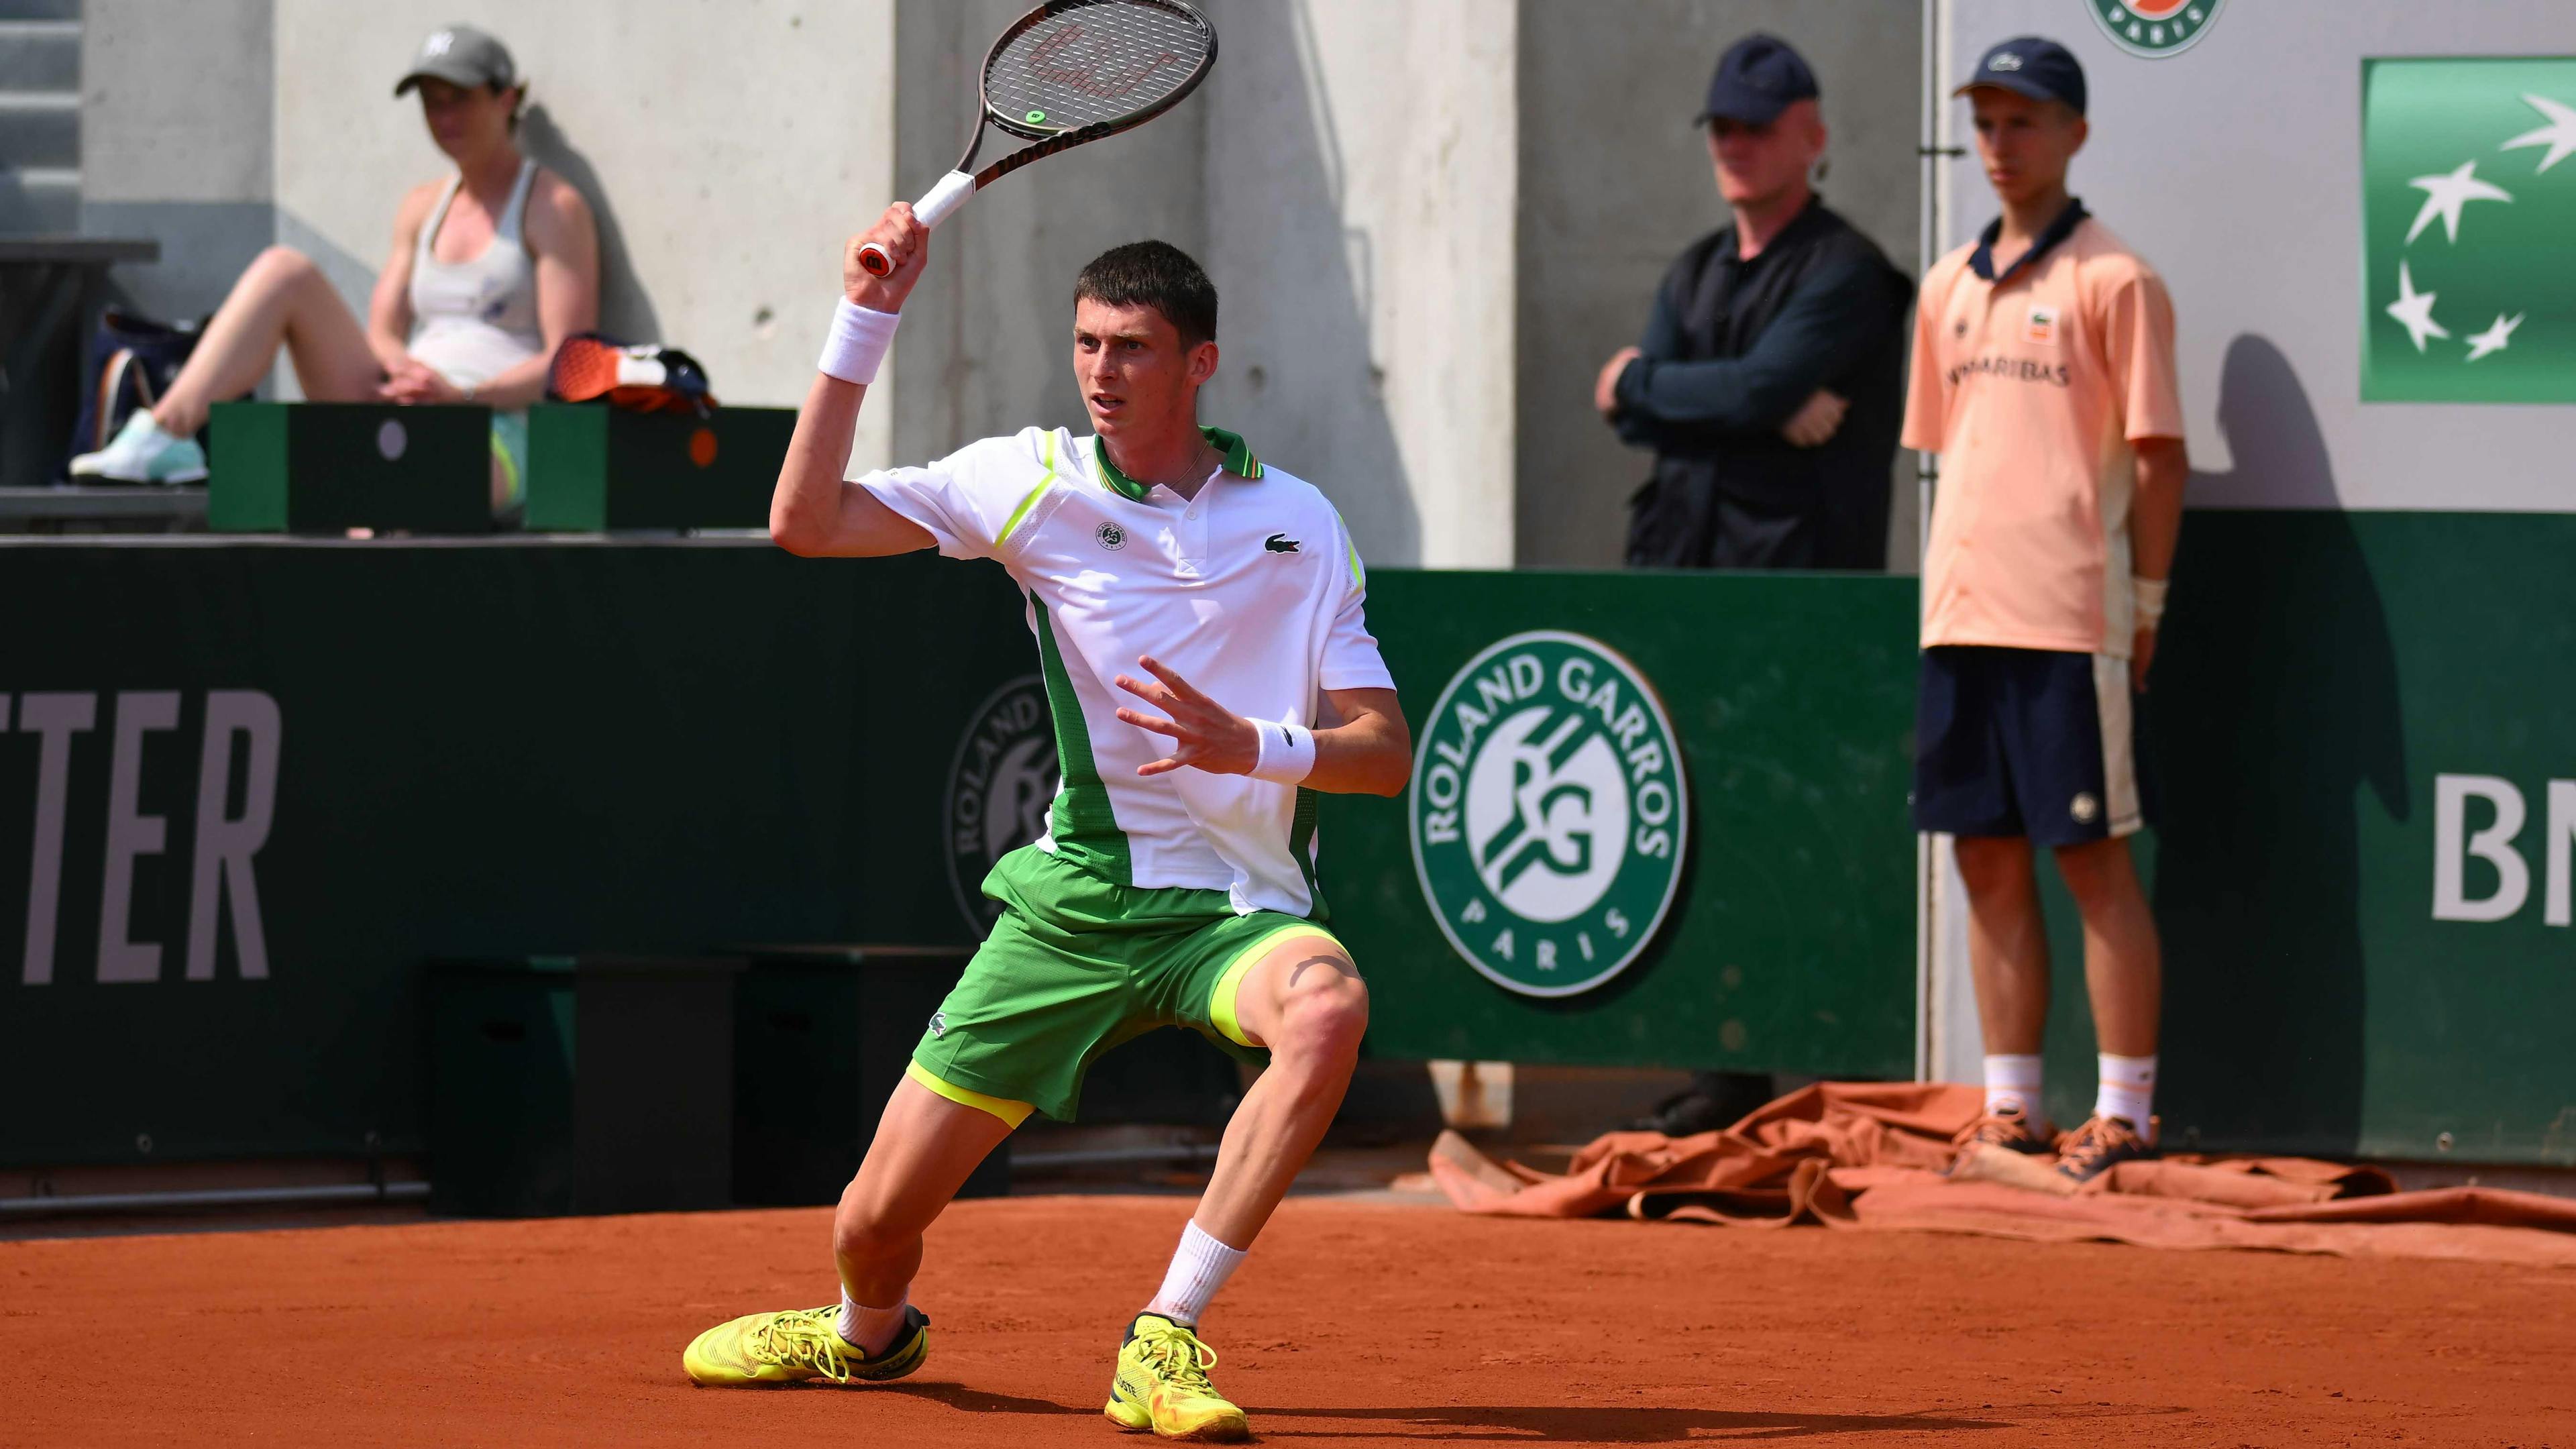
[(2468, 207), (1658, 819), (2154, 27), (1548, 814)]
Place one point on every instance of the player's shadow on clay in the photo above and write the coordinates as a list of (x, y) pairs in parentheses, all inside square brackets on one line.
[(1598, 1425), (976, 1401)]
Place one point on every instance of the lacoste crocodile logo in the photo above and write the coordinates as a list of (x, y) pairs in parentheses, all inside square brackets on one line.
[(1280, 543)]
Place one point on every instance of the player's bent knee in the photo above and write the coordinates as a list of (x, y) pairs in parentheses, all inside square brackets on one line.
[(1325, 1021)]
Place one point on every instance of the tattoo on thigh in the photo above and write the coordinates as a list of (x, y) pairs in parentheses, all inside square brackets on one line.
[(1337, 964)]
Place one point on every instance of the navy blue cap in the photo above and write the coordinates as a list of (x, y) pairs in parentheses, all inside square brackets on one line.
[(1756, 80), (2028, 65)]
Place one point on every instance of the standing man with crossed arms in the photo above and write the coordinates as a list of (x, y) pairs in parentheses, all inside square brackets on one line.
[(2044, 377), (1199, 626)]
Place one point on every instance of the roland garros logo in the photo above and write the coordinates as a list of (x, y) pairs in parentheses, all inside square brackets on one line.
[(999, 787), (1547, 813), (2154, 27)]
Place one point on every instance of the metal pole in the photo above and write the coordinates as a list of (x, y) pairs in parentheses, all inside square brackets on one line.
[(121, 1202)]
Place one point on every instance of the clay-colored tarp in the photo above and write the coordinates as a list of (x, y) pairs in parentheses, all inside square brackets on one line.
[(1872, 1155)]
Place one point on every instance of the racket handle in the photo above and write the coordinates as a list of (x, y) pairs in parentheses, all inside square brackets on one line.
[(930, 211)]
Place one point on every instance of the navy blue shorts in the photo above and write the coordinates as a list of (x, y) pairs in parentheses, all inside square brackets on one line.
[(2028, 742)]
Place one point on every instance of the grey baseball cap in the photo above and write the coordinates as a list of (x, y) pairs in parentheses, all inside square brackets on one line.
[(463, 56)]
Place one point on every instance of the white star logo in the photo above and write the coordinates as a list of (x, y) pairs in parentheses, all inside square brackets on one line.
[(2494, 339), (2559, 135), (2414, 310), (2445, 195)]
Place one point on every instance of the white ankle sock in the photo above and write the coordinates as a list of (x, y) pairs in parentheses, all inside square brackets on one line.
[(2013, 1081), (873, 1329), (1200, 1266), (2128, 1090)]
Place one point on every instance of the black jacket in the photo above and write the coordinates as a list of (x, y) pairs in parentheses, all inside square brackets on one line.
[(1733, 350)]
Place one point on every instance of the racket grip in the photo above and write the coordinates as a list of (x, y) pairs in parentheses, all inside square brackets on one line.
[(930, 211)]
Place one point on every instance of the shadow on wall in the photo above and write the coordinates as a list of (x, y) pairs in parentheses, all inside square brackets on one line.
[(1300, 370), (625, 311), (2275, 704)]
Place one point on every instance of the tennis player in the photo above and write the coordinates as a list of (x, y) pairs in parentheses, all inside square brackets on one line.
[(2044, 377), (1199, 626)]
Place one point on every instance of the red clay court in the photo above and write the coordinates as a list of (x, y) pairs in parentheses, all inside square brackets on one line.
[(1356, 1322)]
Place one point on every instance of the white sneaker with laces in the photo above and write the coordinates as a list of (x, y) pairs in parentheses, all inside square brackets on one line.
[(141, 452)]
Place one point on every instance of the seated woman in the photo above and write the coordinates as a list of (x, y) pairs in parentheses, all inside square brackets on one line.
[(491, 269)]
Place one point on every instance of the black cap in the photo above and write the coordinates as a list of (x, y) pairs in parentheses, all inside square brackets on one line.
[(1756, 80), (461, 56), (2028, 65)]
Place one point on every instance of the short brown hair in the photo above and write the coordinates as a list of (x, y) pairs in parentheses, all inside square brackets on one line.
[(1153, 274)]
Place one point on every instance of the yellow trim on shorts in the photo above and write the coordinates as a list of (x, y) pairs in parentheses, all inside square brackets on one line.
[(1013, 1113), (1221, 1000)]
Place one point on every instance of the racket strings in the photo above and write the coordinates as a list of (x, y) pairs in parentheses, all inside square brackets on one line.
[(1094, 64)]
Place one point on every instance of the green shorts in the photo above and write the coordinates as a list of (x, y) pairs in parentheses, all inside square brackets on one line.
[(1077, 965)]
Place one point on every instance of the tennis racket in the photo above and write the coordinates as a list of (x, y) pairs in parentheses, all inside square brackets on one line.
[(1068, 72)]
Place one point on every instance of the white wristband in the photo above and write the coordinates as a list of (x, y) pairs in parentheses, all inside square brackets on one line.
[(1287, 752), (2148, 597), (858, 342)]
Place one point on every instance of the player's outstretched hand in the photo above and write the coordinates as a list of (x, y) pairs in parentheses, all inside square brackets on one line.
[(1205, 734), (906, 240)]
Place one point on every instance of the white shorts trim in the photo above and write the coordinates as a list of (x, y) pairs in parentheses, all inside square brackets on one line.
[(2119, 752)]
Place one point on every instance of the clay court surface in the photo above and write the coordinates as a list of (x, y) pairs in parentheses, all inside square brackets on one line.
[(1354, 1323)]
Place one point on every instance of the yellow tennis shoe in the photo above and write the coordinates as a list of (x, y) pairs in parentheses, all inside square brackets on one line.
[(1162, 1385), (801, 1343)]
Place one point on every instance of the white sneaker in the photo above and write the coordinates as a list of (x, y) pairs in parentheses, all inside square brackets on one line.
[(142, 452)]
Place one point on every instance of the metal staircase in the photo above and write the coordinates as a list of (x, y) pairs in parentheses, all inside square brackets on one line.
[(40, 184)]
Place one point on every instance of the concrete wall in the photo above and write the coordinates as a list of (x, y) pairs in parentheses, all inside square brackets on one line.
[(727, 146), (1614, 182), (1354, 177), (175, 142), (1361, 187), (1349, 191)]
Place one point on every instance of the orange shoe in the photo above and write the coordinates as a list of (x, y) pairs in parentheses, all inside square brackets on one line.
[(2103, 1143), (2009, 1128)]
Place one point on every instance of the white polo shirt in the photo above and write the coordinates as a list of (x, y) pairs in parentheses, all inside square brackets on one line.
[(1251, 591)]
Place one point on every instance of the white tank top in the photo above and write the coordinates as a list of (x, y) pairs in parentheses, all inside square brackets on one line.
[(474, 320)]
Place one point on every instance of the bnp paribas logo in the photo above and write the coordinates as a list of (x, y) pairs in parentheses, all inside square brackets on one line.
[(1548, 814), (2468, 225), (2153, 27)]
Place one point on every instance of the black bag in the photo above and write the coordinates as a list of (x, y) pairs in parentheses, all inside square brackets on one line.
[(129, 363)]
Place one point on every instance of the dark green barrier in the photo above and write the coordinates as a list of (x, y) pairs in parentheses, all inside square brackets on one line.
[(401, 752), (2320, 672), (477, 751)]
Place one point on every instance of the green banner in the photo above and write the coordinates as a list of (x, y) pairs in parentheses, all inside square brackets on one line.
[(2362, 743), (1657, 819), (2468, 204)]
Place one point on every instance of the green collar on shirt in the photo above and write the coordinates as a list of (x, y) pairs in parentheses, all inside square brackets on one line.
[(1238, 461)]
